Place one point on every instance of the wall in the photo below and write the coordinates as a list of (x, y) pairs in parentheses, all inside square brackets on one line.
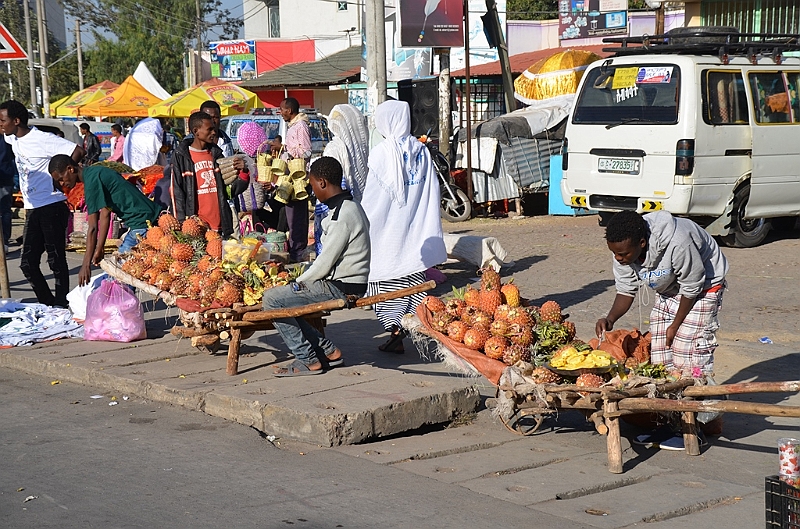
[(303, 18), (271, 54), (324, 100)]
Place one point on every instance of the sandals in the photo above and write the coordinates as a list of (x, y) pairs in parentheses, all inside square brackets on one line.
[(331, 363), (395, 342), (297, 369)]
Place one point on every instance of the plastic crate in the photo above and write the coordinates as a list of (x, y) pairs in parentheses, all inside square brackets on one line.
[(782, 504)]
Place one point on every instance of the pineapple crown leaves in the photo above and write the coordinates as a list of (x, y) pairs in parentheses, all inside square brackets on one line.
[(458, 293)]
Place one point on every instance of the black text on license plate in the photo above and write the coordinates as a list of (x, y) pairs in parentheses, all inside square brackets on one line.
[(618, 165)]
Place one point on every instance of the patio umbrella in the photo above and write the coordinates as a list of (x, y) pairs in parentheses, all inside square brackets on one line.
[(56, 104), (69, 108), (231, 98), (130, 99), (556, 76)]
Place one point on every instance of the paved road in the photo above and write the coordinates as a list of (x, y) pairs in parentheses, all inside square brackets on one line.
[(95, 465)]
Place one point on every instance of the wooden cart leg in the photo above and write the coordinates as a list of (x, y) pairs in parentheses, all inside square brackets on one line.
[(233, 352), (689, 424), (614, 444)]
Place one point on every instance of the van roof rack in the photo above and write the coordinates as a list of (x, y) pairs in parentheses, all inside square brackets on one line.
[(722, 42)]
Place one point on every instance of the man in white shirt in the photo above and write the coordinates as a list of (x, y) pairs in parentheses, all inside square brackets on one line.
[(46, 212)]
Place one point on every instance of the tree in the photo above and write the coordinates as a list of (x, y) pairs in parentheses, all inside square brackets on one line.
[(156, 32)]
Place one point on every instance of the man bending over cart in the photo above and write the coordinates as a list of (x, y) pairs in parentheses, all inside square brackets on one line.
[(338, 272)]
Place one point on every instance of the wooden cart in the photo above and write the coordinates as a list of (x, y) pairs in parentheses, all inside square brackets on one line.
[(208, 328)]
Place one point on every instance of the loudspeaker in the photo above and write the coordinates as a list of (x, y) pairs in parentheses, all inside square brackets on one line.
[(422, 95)]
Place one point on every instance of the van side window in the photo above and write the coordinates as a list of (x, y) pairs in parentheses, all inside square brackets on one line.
[(793, 84), (770, 98), (724, 98)]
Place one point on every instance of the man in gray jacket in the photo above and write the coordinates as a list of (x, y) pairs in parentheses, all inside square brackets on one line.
[(340, 271), (684, 265)]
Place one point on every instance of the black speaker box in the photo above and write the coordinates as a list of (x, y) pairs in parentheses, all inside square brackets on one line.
[(422, 95)]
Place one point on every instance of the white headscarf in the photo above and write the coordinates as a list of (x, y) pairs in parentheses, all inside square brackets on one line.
[(398, 160), (350, 146), (143, 144)]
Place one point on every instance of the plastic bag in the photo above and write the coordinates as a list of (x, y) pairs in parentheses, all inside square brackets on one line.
[(79, 296), (113, 314)]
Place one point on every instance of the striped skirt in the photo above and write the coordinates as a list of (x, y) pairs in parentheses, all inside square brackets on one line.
[(390, 313)]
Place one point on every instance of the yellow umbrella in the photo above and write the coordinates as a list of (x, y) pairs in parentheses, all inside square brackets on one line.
[(553, 76), (56, 104), (231, 98), (130, 99), (69, 108)]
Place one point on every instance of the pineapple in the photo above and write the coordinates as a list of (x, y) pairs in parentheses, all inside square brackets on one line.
[(153, 235), (551, 311), (542, 375), (193, 227), (179, 286), (433, 304), (440, 321), (166, 243), (227, 294), (182, 252), (472, 297), (163, 281), (455, 307), (162, 262), (482, 320), (475, 338), (511, 294), (206, 263), (516, 353), (501, 312), (521, 335), (570, 328), (212, 235), (456, 330), (490, 279), (216, 275), (495, 347), (150, 275), (168, 223), (177, 268), (214, 247), (468, 314), (519, 316), (489, 300), (589, 380), (499, 328)]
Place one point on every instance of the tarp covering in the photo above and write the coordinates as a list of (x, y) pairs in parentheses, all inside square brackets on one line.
[(70, 107), (231, 98), (146, 79), (553, 77), (130, 99)]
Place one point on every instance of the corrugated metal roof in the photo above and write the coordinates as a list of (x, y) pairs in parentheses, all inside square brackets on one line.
[(341, 67)]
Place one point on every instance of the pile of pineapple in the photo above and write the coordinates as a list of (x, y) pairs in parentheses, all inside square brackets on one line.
[(186, 260), (493, 320)]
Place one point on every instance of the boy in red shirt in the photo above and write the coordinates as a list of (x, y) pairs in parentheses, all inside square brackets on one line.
[(197, 186)]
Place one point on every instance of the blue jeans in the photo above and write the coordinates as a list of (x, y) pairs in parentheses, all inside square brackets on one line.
[(305, 342), (130, 239)]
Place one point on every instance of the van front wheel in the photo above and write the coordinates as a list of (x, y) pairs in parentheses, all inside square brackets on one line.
[(745, 233)]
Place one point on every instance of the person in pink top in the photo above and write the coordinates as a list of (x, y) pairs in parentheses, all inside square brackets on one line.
[(117, 143), (296, 145)]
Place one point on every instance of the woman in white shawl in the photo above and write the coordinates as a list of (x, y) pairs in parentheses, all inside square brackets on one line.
[(143, 145), (401, 199), (350, 147)]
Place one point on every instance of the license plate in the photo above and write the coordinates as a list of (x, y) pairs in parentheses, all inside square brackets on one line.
[(618, 165)]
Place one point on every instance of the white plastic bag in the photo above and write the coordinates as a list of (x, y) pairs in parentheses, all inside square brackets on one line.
[(113, 314), (79, 295)]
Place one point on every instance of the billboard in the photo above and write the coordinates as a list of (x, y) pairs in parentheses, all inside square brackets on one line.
[(479, 50), (581, 19), (401, 62), (233, 60), (432, 23)]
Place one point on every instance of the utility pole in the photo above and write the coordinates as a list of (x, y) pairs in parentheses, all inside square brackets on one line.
[(660, 19), (444, 99), (80, 53), (376, 55), (502, 52), (197, 59), (43, 57), (29, 43)]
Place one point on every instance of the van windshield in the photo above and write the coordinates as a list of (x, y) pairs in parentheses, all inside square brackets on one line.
[(640, 94)]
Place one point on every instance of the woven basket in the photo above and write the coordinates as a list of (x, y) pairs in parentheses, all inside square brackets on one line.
[(253, 197)]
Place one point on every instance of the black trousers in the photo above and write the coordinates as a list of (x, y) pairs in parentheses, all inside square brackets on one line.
[(46, 231)]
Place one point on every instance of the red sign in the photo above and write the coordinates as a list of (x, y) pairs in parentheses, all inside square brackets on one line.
[(233, 48), (9, 47)]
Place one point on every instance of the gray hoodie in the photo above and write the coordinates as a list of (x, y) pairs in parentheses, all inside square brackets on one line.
[(682, 258)]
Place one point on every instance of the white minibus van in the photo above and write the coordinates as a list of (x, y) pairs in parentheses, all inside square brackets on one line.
[(702, 124)]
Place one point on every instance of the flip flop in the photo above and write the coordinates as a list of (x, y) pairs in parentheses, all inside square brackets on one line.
[(296, 369), (334, 363)]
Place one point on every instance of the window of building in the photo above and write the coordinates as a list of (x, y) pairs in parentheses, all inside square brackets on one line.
[(341, 6), (753, 16), (724, 98), (274, 18)]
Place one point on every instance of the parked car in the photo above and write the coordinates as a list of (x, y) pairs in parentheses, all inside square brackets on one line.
[(273, 124), (53, 125)]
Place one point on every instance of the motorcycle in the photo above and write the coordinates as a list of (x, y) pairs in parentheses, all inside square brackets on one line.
[(455, 205)]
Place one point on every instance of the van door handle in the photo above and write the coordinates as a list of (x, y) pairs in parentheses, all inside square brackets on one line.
[(739, 152), (627, 153)]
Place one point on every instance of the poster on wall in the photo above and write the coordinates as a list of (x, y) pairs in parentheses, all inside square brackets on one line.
[(233, 60), (401, 62), (432, 23), (479, 50), (581, 19)]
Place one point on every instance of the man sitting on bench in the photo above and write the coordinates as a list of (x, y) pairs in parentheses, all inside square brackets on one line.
[(341, 270)]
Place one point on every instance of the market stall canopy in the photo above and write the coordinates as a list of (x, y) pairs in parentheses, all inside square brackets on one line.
[(231, 98), (338, 68), (56, 104), (69, 108), (556, 76), (146, 79), (130, 99)]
